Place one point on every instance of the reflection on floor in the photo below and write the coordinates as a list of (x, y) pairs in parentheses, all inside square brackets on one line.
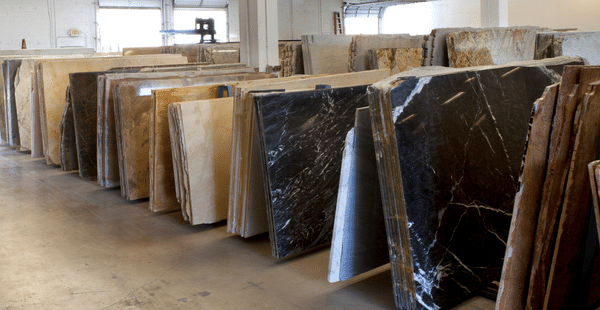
[(67, 243)]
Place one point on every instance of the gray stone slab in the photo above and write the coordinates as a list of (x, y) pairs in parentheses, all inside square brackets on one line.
[(582, 44)]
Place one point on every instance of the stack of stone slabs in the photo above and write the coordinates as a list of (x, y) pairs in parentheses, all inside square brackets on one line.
[(53, 78), (361, 45), (582, 44)]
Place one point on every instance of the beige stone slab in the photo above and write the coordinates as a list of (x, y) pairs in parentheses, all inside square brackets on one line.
[(491, 46), (107, 156), (177, 155), (54, 77), (162, 180), (206, 128), (325, 54), (247, 191)]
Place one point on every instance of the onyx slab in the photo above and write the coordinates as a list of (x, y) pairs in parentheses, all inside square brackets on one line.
[(359, 238), (449, 170), (302, 138)]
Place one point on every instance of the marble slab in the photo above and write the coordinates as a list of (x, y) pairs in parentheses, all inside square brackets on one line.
[(358, 54), (448, 216), (325, 54), (9, 72), (205, 129), (107, 154), (49, 51), (247, 200), (302, 138), (491, 46), (54, 77), (359, 241), (396, 59), (163, 192), (582, 44), (220, 53), (68, 144)]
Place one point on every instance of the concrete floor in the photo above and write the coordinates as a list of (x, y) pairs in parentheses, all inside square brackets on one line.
[(66, 243)]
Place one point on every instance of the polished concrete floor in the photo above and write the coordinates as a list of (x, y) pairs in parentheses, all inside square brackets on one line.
[(67, 243)]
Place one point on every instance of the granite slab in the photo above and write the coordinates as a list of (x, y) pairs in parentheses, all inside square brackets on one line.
[(162, 180), (247, 200), (54, 77), (439, 46), (107, 154), (68, 144), (491, 46), (448, 216), (302, 138), (582, 44), (9, 72), (358, 53), (396, 59), (290, 58), (220, 53), (359, 241), (594, 173), (133, 105), (206, 142)]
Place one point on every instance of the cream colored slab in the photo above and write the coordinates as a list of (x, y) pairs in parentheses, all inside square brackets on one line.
[(162, 180), (206, 128), (55, 78)]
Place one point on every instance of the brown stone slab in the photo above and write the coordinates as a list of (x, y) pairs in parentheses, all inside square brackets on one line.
[(568, 248), (514, 280)]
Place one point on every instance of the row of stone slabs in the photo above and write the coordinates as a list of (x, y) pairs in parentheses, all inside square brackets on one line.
[(448, 148), (451, 155)]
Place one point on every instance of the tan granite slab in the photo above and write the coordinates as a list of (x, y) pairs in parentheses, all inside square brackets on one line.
[(396, 59), (54, 77), (491, 46), (325, 54)]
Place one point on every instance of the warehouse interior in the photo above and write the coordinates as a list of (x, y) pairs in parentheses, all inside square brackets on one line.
[(72, 241)]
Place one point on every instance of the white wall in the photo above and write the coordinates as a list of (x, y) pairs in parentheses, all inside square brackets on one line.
[(43, 23), (298, 17), (581, 14)]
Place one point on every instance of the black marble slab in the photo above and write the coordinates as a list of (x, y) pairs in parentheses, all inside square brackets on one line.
[(457, 144), (302, 139), (359, 239), (9, 72), (68, 144)]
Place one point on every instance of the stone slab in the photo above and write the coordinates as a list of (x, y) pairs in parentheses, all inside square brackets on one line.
[(491, 46), (54, 77), (359, 241), (9, 72), (68, 144), (358, 54), (581, 44), (302, 137), (325, 54), (447, 217)]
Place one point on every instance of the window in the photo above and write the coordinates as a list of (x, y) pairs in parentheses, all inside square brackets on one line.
[(415, 19), (361, 25), (121, 28), (185, 19)]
